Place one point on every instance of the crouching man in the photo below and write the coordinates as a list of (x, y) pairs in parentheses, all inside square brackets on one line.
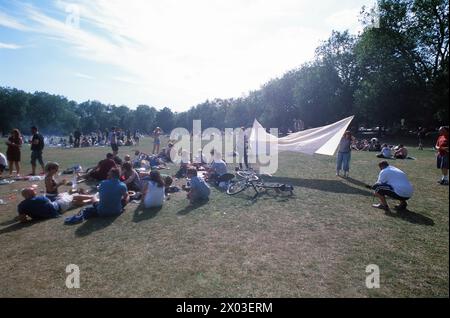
[(394, 183)]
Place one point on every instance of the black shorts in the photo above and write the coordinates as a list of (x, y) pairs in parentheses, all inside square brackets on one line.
[(36, 155), (387, 190), (114, 147), (442, 162)]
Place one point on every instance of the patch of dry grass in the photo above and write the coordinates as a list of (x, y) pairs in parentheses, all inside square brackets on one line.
[(314, 244)]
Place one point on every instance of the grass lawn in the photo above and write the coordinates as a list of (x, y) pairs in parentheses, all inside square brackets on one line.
[(314, 244)]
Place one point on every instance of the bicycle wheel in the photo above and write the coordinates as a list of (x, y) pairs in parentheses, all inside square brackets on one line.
[(236, 187), (251, 176)]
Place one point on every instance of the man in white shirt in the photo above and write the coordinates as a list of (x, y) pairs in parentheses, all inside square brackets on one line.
[(394, 183)]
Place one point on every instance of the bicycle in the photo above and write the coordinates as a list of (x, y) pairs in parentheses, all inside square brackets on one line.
[(250, 179)]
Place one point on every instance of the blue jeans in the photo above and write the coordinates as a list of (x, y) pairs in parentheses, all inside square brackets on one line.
[(343, 161)]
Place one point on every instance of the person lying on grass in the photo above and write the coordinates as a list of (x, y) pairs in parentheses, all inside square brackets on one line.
[(51, 185), (198, 190), (40, 207), (113, 197), (394, 183)]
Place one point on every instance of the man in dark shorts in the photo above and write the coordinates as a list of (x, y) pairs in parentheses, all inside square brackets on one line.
[(37, 145), (394, 183), (442, 155)]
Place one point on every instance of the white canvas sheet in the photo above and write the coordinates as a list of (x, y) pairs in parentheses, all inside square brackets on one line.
[(321, 140)]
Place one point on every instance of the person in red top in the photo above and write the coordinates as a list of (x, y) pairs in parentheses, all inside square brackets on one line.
[(442, 156), (100, 173)]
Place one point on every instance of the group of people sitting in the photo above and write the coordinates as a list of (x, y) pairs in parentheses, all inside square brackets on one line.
[(120, 181), (366, 145), (391, 152)]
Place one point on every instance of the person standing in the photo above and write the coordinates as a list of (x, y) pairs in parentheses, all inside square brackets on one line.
[(37, 146), (113, 141), (344, 154), (13, 153), (77, 136), (156, 140), (442, 155), (421, 137)]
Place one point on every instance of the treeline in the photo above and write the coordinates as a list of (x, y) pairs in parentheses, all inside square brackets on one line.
[(396, 69)]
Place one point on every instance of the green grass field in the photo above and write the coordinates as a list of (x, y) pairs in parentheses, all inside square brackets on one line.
[(314, 244)]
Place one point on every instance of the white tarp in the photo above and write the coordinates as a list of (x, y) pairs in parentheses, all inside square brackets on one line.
[(321, 140)]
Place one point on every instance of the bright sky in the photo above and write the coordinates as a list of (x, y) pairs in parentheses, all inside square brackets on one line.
[(162, 52)]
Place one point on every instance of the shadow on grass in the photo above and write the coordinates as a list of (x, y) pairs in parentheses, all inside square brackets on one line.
[(335, 186), (357, 182), (142, 214), (192, 207), (411, 217), (95, 224), (16, 226)]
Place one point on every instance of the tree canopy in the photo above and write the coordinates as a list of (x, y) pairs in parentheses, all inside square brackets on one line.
[(397, 69)]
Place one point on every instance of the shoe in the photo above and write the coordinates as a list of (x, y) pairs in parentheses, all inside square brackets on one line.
[(381, 207), (74, 219), (443, 182), (401, 206)]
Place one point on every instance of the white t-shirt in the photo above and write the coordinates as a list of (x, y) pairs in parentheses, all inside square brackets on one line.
[(386, 152), (397, 179), (154, 196), (2, 159)]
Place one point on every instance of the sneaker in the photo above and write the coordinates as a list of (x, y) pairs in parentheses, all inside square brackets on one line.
[(381, 207), (443, 182), (74, 219), (401, 206)]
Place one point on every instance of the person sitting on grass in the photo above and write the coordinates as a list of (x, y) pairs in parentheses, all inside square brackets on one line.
[(40, 207), (184, 164), (131, 177), (218, 167), (394, 183), (51, 185), (200, 159), (198, 189), (2, 163), (100, 172), (386, 152), (154, 191), (401, 152), (113, 197)]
